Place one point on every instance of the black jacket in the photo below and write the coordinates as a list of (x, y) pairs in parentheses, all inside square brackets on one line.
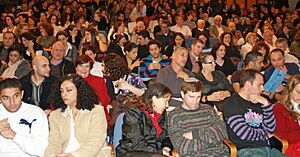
[(66, 67), (46, 89), (139, 135)]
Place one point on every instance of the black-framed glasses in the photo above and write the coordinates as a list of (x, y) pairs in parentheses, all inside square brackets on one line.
[(210, 62)]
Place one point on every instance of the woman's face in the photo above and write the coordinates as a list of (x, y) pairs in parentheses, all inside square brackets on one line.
[(227, 39), (295, 95), (178, 40), (31, 21), (122, 41), (68, 93), (209, 63), (24, 29), (8, 21), (221, 51), (91, 54), (252, 40), (25, 42), (96, 17), (14, 56), (121, 28), (133, 53), (43, 31), (278, 20), (83, 70), (88, 36), (160, 104), (263, 51), (53, 20)]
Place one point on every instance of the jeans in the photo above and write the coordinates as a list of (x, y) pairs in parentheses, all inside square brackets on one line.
[(259, 152)]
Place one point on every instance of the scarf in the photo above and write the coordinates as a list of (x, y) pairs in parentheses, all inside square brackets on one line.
[(154, 120)]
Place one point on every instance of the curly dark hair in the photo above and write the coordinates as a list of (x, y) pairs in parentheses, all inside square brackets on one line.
[(115, 67), (48, 28), (86, 96)]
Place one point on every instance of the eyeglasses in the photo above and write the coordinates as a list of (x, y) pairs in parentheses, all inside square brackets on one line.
[(210, 62)]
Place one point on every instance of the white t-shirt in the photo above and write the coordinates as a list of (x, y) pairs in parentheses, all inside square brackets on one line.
[(31, 126)]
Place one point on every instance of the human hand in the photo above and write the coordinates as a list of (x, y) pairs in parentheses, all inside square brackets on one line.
[(122, 84), (224, 94), (164, 57), (135, 64), (153, 66), (5, 129), (188, 135), (259, 99)]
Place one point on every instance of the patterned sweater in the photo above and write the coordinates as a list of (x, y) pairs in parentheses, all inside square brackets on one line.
[(248, 124), (207, 129), (145, 72)]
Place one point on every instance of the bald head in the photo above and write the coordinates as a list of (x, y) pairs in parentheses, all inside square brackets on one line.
[(231, 27), (41, 66), (179, 57)]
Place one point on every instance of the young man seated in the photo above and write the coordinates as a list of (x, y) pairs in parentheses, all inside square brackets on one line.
[(194, 128)]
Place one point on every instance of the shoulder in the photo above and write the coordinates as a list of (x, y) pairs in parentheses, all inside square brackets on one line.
[(34, 110)]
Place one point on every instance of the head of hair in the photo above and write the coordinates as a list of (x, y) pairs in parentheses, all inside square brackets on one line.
[(50, 17), (297, 36), (206, 36), (223, 35), (196, 40), (181, 36), (215, 48), (115, 67), (77, 16), (48, 28), (166, 22), (32, 18), (82, 59), (191, 86), (18, 48), (250, 34), (286, 98), (27, 36), (276, 50), (248, 75), (154, 42), (282, 40), (157, 89), (252, 57), (86, 96), (116, 25), (64, 33), (129, 46), (259, 45), (88, 47), (10, 83), (144, 33), (11, 18)]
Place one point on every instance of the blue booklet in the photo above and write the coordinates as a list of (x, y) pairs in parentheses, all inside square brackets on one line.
[(275, 80)]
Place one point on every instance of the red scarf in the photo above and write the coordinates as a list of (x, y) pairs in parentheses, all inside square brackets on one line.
[(154, 120)]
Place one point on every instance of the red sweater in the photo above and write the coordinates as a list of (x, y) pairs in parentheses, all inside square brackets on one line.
[(286, 126), (98, 84)]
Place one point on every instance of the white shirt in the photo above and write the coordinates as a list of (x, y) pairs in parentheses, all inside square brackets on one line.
[(185, 30), (73, 142), (28, 141), (97, 69)]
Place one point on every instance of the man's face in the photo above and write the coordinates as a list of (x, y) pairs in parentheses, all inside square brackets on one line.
[(11, 99), (8, 39), (63, 39), (231, 27), (141, 40), (179, 21), (180, 58), (277, 59), (140, 26), (164, 28), (281, 46), (257, 86), (58, 52), (154, 50), (197, 49), (259, 63), (42, 68), (191, 100)]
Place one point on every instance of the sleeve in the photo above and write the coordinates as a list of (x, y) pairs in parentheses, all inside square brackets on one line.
[(23, 69), (203, 138), (69, 68), (238, 125), (96, 139), (103, 96), (35, 144), (132, 134), (188, 31), (55, 142), (284, 124)]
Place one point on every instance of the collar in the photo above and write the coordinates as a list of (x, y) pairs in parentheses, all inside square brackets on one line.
[(295, 106), (67, 111)]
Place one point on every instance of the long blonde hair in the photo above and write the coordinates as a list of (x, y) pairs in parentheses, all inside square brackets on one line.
[(286, 98)]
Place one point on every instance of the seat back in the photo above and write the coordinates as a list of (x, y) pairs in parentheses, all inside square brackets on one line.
[(118, 131)]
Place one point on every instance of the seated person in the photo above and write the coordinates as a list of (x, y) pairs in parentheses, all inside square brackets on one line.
[(17, 66), (204, 135), (98, 67), (59, 65), (23, 127), (78, 125), (173, 75), (287, 114), (249, 117), (37, 84), (119, 80), (151, 65), (84, 65), (144, 130), (216, 88)]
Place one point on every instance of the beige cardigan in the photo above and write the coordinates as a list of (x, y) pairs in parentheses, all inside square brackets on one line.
[(90, 131)]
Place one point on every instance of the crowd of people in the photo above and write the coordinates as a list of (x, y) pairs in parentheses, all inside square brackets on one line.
[(148, 77)]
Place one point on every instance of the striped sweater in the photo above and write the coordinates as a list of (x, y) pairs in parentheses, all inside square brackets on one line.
[(207, 129), (145, 72), (248, 124)]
